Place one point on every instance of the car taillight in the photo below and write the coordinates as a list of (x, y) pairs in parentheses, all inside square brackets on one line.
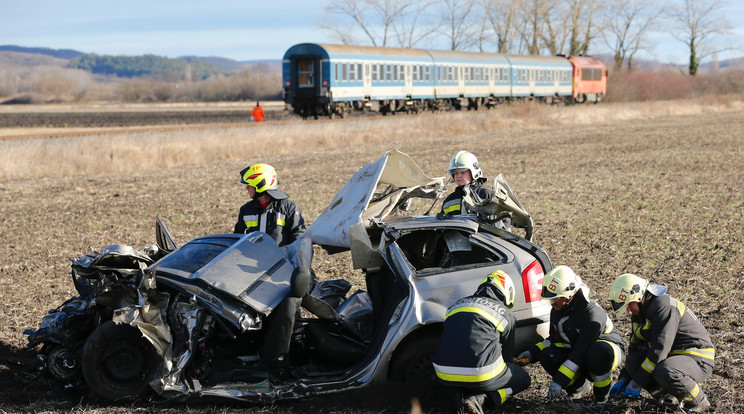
[(325, 83), (532, 278), (287, 83)]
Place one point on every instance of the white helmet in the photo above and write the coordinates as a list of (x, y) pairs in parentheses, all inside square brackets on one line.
[(464, 159), (561, 282), (625, 289)]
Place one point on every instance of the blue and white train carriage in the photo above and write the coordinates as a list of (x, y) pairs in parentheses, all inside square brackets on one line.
[(323, 79)]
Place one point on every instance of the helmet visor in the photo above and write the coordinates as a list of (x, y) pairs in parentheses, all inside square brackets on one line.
[(546, 294), (616, 306)]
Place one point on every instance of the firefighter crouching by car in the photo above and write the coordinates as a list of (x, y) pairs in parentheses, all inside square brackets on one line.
[(583, 347), (269, 209), (477, 342), (670, 350)]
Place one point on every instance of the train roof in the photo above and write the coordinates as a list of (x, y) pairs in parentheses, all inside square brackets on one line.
[(327, 51)]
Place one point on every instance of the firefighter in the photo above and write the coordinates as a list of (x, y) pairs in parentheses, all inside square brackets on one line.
[(465, 171), (477, 347), (583, 347), (257, 113), (269, 209), (670, 350)]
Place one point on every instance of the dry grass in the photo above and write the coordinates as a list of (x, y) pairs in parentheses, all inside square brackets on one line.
[(132, 152), (653, 189)]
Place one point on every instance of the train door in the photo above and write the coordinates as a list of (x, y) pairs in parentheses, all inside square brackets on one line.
[(367, 79), (533, 77), (305, 73), (409, 82), (460, 80)]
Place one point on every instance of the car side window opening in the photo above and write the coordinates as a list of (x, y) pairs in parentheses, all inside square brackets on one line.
[(432, 251)]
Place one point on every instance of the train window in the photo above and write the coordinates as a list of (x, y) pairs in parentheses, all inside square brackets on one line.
[(352, 72), (401, 73), (360, 72), (427, 73), (389, 72), (414, 75), (305, 69)]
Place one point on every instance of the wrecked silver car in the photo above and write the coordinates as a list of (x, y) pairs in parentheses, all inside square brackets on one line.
[(220, 315)]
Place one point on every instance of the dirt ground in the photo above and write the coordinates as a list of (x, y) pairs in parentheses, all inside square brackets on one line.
[(662, 198)]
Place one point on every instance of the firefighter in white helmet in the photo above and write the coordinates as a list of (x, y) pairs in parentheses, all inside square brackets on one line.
[(583, 347), (465, 171), (670, 350), (269, 209), (477, 348)]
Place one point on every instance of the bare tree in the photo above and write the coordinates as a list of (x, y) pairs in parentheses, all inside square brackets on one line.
[(414, 23), (696, 23), (375, 18), (457, 23), (627, 22), (502, 16), (534, 19)]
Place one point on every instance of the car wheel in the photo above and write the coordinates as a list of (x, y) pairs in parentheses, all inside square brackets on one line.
[(413, 363), (118, 362)]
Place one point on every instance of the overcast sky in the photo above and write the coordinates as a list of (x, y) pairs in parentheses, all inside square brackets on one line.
[(240, 30)]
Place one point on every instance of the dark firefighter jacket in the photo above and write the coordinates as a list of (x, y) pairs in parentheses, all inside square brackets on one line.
[(666, 327), (478, 338), (280, 219), (454, 203), (579, 325)]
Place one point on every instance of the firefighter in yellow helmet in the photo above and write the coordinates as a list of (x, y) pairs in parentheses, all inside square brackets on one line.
[(670, 350), (269, 209), (583, 347), (477, 348), (465, 171)]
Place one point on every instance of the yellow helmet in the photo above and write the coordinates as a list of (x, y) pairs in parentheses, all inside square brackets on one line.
[(561, 282), (262, 177), (503, 284), (464, 159), (625, 289)]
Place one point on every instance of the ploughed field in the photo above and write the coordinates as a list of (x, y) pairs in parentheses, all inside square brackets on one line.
[(660, 196)]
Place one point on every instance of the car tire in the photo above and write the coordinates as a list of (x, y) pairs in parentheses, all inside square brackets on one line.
[(118, 363), (413, 364)]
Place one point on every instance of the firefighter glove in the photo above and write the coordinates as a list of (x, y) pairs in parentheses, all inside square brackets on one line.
[(619, 386), (555, 390), (632, 390), (524, 358)]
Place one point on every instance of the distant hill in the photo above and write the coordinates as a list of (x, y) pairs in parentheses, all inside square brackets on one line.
[(58, 53), (22, 59)]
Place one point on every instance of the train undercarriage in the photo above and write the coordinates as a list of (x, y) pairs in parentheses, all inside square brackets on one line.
[(310, 108)]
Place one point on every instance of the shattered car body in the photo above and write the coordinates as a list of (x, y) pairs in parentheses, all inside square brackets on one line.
[(202, 319)]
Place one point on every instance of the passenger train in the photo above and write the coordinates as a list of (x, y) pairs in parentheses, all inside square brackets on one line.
[(330, 80)]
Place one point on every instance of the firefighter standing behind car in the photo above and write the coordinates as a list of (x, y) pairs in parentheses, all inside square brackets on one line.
[(583, 347), (269, 209), (477, 342), (670, 350), (465, 171)]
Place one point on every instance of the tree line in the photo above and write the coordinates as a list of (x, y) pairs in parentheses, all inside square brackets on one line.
[(146, 65), (536, 27)]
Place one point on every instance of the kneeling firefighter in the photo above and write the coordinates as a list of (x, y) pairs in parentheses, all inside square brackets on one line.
[(583, 347), (477, 341)]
